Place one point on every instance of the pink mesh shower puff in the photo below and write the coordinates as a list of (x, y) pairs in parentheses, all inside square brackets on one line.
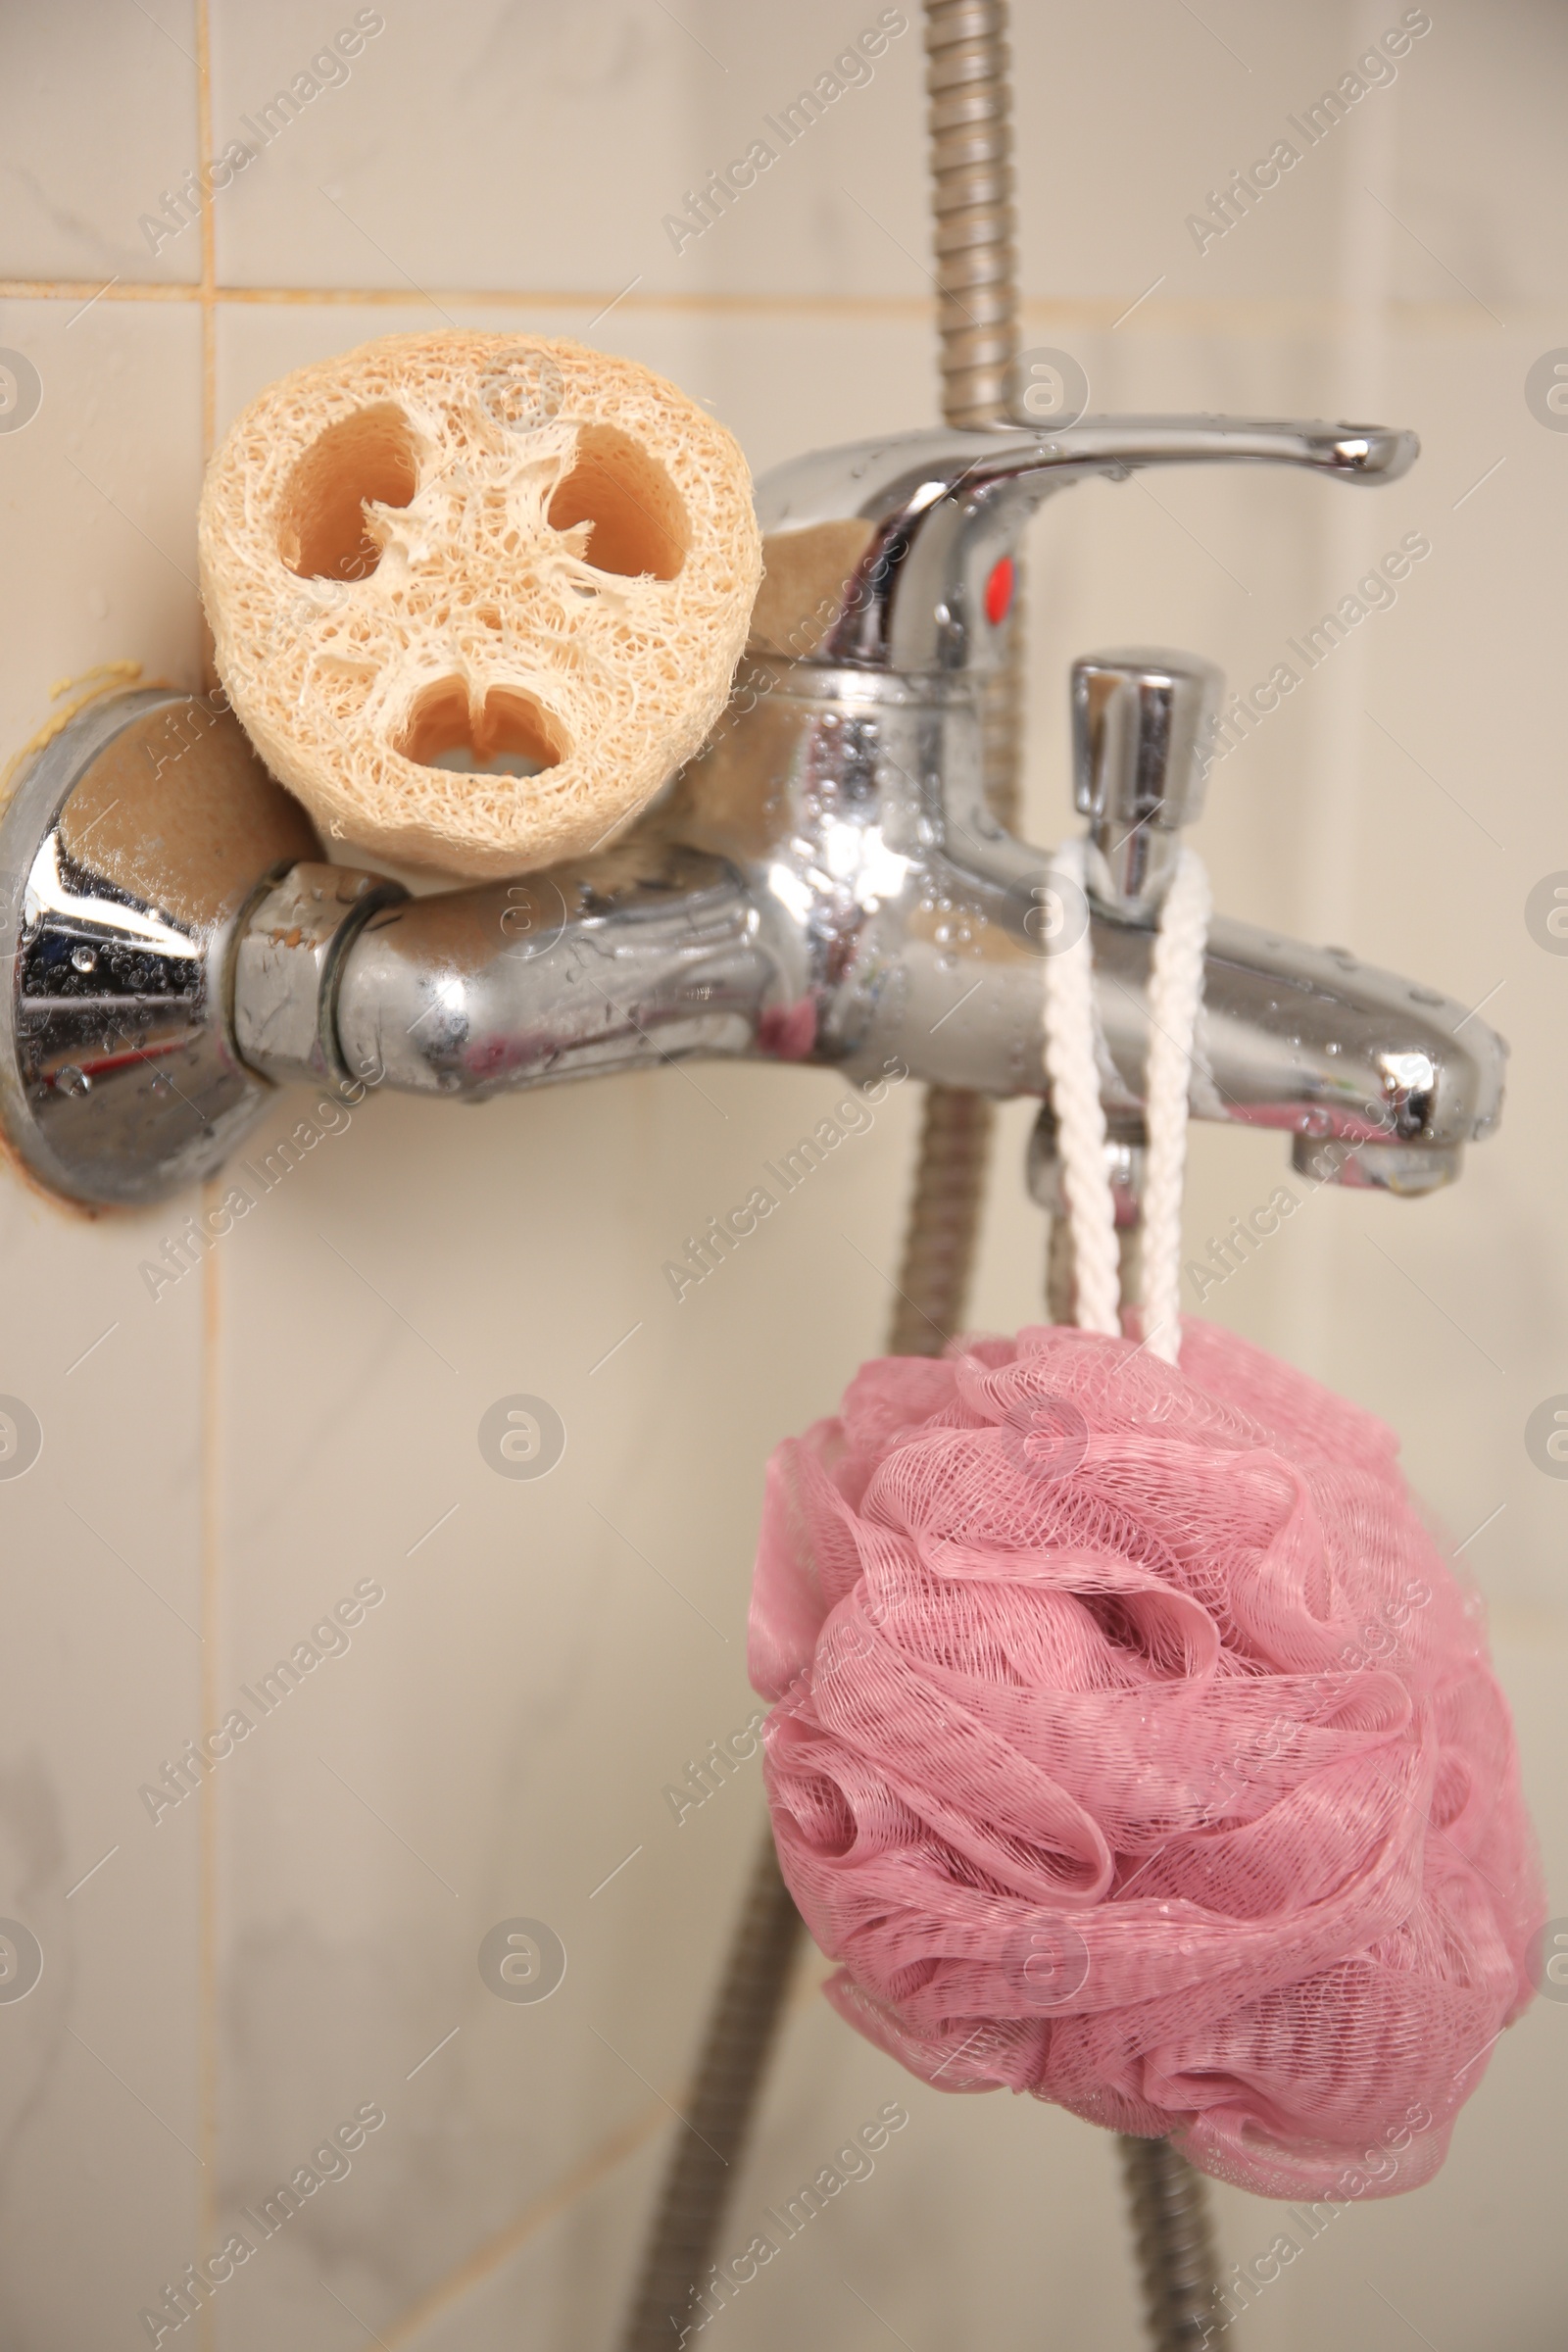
[(1135, 1746)]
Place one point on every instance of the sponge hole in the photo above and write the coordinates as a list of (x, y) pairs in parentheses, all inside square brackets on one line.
[(509, 735), (367, 457), (639, 523)]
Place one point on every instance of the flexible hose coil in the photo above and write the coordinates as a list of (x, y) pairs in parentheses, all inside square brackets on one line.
[(706, 2157), (972, 170), (1175, 2244)]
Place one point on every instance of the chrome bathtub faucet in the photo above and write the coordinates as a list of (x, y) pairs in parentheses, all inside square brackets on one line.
[(823, 884)]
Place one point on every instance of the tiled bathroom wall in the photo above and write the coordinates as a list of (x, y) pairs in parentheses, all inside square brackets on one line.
[(533, 1664)]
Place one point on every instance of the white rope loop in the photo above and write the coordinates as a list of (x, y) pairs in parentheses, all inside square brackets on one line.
[(1175, 1001), (1073, 1071)]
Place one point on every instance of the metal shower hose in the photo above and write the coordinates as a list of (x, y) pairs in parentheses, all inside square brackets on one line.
[(971, 164)]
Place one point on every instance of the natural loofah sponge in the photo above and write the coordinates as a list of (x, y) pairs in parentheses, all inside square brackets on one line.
[(449, 553), (1135, 1746)]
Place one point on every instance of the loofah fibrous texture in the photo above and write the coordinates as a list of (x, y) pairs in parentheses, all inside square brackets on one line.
[(1135, 1746), (476, 597)]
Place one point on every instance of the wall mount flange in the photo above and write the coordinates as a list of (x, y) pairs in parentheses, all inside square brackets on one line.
[(130, 852)]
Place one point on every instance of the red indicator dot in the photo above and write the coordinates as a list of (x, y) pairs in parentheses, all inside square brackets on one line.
[(999, 591)]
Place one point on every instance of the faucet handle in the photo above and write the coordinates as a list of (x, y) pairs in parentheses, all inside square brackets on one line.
[(908, 538), (1141, 717)]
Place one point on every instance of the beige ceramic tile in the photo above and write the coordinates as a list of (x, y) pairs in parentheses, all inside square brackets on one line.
[(97, 133), (1116, 194), (559, 138), (1108, 196), (98, 496), (567, 2282)]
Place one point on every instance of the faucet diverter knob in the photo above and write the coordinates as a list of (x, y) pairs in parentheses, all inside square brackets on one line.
[(1141, 724)]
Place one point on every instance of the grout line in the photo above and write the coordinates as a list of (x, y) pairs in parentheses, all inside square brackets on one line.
[(69, 289), (494, 2252), (204, 146), (571, 2189), (208, 2054), (1273, 315), (208, 296), (207, 2051), (573, 298)]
